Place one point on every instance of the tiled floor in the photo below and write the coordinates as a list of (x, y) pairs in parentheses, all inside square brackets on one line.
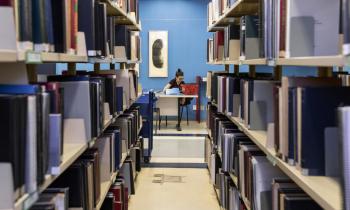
[(193, 128), (194, 192)]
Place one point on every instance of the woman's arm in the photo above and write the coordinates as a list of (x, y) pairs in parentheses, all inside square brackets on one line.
[(166, 87)]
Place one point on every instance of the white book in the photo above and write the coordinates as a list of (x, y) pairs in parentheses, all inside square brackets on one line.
[(7, 29), (316, 24), (31, 151)]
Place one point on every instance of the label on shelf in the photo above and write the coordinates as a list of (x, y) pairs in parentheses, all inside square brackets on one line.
[(272, 159), (271, 63), (30, 201), (33, 57)]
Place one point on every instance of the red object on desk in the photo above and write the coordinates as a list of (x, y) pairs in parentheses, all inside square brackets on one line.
[(189, 89), (194, 89)]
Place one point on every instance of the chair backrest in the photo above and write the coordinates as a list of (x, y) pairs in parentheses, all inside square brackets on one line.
[(190, 89)]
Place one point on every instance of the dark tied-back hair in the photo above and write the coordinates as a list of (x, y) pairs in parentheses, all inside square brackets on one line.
[(179, 73)]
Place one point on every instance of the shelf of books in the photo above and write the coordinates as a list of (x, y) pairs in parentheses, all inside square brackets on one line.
[(237, 9), (123, 18), (318, 188), (263, 32), (290, 136), (70, 154)]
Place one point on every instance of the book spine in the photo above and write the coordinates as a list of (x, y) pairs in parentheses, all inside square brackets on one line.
[(283, 22), (74, 24)]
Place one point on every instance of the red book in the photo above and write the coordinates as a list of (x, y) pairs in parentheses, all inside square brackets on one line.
[(6, 3), (283, 17), (126, 198), (116, 189), (220, 35), (118, 205), (74, 23)]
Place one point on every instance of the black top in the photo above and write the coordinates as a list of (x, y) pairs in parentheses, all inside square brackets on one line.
[(173, 84)]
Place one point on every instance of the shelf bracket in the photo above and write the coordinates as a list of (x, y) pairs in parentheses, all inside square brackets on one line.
[(227, 68), (325, 71), (112, 66), (277, 73), (123, 66), (236, 69), (32, 73), (72, 69), (252, 72), (96, 67)]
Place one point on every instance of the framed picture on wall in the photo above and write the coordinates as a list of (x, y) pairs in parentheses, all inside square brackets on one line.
[(158, 54)]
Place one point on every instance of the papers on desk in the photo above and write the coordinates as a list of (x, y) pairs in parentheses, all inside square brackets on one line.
[(172, 91)]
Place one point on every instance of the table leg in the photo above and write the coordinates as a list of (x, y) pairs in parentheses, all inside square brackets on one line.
[(178, 126)]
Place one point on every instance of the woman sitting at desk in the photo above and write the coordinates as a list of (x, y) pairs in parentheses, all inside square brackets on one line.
[(176, 82)]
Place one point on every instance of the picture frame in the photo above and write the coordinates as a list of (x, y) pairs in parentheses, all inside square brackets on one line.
[(158, 54)]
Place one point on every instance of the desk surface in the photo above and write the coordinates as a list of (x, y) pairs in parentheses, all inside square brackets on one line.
[(162, 95)]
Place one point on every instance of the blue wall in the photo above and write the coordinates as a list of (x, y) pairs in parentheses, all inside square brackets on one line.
[(186, 23)]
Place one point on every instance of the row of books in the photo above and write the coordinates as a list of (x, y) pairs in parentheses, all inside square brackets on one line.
[(301, 125), (96, 166), (66, 26), (295, 29), (236, 42), (216, 8), (60, 198), (82, 182), (259, 184), (130, 7), (38, 120)]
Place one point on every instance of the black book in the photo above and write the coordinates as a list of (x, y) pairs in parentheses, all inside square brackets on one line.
[(117, 145), (108, 203), (122, 38), (39, 23), (25, 20), (101, 28), (49, 24), (92, 155), (292, 202), (111, 34), (111, 95), (86, 24), (13, 130), (317, 114), (58, 19), (76, 178)]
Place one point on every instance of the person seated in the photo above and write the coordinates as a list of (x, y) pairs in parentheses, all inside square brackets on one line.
[(176, 83)]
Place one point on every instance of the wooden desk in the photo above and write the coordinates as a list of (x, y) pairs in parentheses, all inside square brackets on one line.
[(169, 105)]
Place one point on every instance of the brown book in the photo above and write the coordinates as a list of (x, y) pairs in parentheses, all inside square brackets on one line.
[(293, 82), (280, 184), (74, 24), (68, 22), (283, 20), (276, 91)]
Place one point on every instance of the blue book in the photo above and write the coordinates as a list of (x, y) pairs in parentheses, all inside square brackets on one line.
[(67, 78), (117, 145), (19, 89), (49, 22), (318, 111)]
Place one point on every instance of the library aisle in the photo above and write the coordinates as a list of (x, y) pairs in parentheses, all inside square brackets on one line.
[(182, 188), (177, 177)]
